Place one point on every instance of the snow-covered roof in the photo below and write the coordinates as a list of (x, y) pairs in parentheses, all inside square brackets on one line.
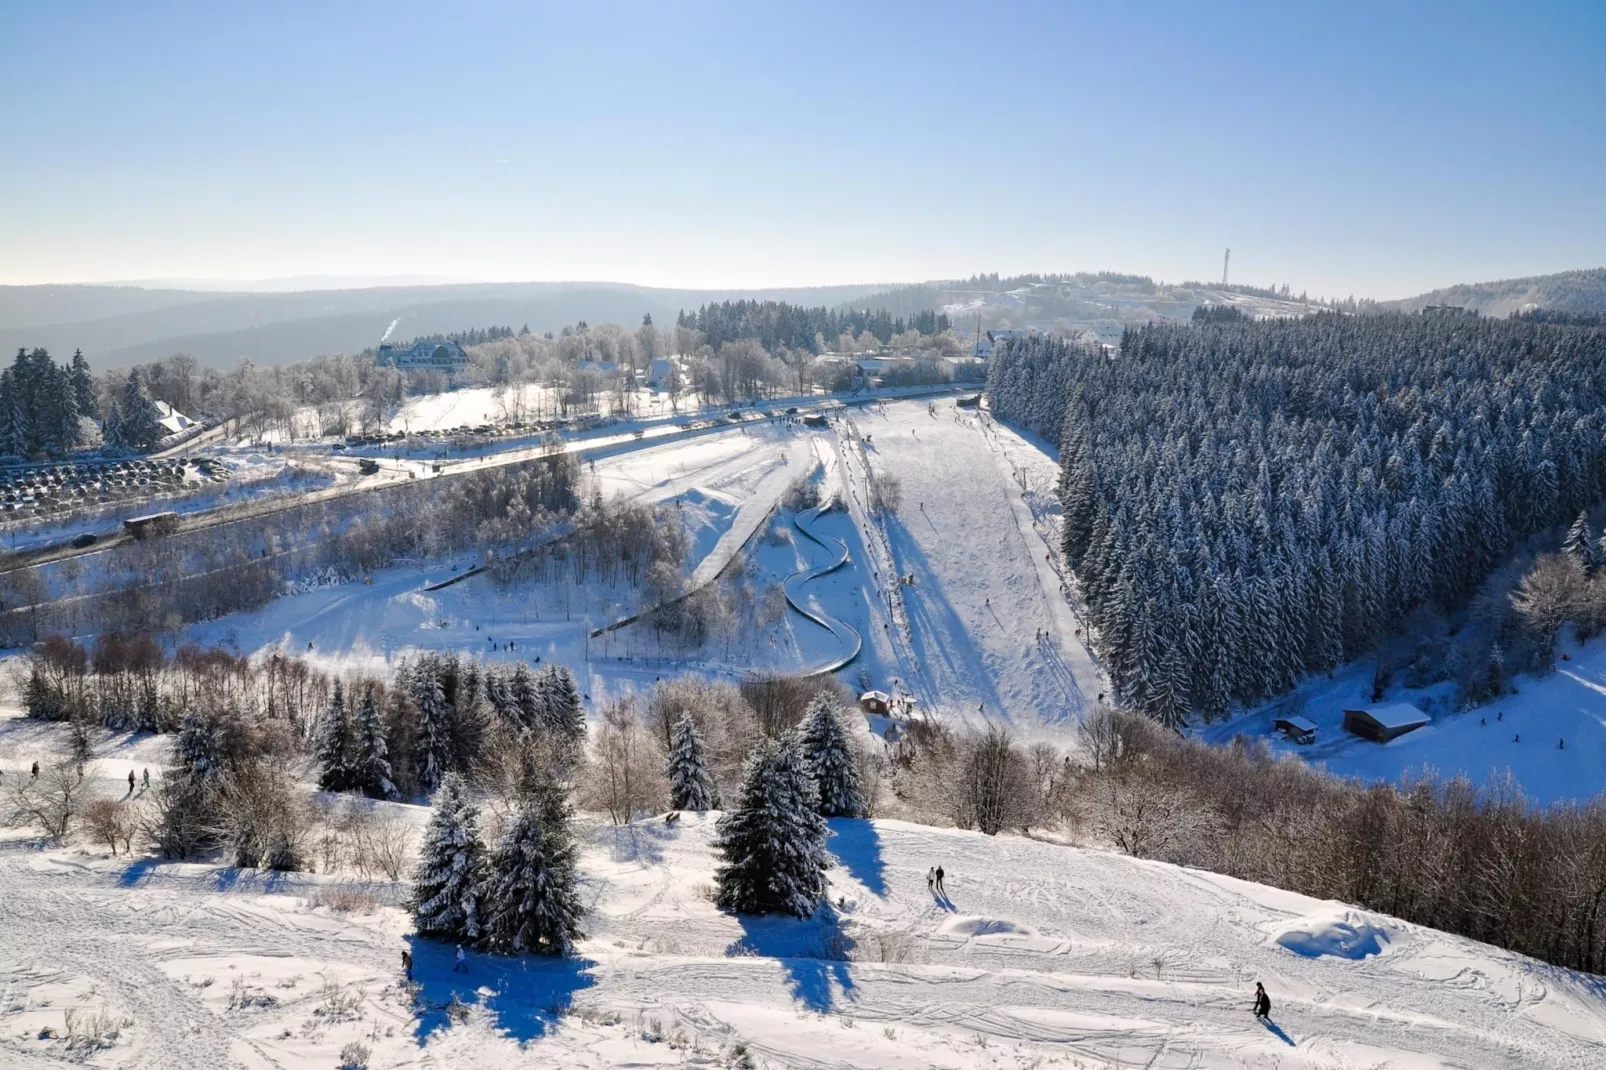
[(1396, 715), (171, 419), (1297, 723), (875, 696)]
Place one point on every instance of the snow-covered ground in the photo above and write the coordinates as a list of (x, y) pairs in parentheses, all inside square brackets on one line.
[(1550, 735), (1038, 956), (988, 630), (983, 631)]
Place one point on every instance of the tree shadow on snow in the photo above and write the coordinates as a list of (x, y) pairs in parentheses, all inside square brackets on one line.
[(942, 640), (525, 996), (813, 954), (1277, 1031), (642, 841), (136, 871), (857, 845)]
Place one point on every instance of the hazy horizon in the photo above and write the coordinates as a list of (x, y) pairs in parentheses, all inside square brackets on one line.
[(1382, 154)]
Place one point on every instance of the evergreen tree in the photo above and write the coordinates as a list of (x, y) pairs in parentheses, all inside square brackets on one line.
[(198, 750), (829, 757), (532, 898), (113, 442), (19, 439), (56, 429), (525, 698), (450, 876), (690, 786), (435, 723), (1579, 545), (83, 385), (560, 702), (13, 419), (370, 764), (332, 743), (142, 428), (772, 844)]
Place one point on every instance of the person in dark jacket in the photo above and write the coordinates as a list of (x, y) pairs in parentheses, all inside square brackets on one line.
[(940, 889), (1262, 1002)]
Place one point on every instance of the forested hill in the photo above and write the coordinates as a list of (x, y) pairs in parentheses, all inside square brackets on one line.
[(777, 324), (1568, 291), (1245, 503)]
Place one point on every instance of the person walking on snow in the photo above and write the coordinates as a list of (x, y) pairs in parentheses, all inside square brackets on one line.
[(130, 782), (931, 879), (460, 966), (1262, 1002), (940, 889), (407, 964)]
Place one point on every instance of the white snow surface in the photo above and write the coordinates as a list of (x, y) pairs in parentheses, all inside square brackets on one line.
[(983, 632), (1038, 956), (1549, 736), (1342, 932)]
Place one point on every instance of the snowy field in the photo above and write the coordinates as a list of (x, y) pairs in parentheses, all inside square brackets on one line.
[(985, 630), (1038, 956), (1550, 736), (982, 631)]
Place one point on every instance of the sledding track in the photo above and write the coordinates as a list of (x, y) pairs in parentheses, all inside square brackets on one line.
[(847, 636)]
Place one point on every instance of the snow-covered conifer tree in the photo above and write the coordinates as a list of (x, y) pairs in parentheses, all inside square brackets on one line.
[(370, 758), (690, 786), (532, 899), (141, 422), (1579, 545), (83, 384), (828, 754), (198, 749), (332, 743), (434, 723), (451, 871), (525, 697), (560, 702), (113, 442), (772, 842)]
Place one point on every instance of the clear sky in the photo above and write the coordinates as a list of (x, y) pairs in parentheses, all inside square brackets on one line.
[(1374, 149)]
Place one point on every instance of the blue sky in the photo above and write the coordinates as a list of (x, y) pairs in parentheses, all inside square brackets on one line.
[(1374, 149)]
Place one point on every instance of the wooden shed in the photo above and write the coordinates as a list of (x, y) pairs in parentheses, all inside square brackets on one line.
[(1296, 728), (875, 702), (1383, 723)]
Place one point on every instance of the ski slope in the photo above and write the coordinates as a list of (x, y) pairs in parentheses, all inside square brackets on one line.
[(985, 630), (1039, 956)]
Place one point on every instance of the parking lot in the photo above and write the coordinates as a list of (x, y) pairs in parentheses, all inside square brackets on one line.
[(44, 489)]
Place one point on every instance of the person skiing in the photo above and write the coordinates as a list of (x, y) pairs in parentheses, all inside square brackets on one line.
[(931, 879), (461, 965), (146, 773), (130, 782), (36, 770), (1262, 1002), (940, 889), (407, 964)]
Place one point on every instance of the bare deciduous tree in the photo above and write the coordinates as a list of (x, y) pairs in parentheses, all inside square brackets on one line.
[(52, 801)]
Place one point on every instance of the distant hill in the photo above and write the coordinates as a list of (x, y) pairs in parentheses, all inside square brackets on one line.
[(1565, 291), (120, 325)]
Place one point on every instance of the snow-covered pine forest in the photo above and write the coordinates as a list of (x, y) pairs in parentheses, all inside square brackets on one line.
[(1248, 502)]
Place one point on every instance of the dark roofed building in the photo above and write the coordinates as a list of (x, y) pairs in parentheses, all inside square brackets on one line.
[(1383, 723)]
